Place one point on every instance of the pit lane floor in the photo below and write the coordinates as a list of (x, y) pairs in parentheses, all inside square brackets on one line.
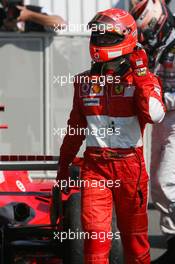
[(156, 238)]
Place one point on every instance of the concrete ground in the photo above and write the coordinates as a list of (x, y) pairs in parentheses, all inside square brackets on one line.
[(157, 240)]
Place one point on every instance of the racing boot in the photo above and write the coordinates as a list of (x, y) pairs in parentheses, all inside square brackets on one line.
[(169, 256)]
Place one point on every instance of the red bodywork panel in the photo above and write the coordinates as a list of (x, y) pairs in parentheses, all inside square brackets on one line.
[(19, 181)]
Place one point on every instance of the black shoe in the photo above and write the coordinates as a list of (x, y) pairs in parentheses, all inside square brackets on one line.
[(169, 256)]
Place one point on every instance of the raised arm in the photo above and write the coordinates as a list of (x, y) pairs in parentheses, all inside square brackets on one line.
[(42, 19), (148, 92)]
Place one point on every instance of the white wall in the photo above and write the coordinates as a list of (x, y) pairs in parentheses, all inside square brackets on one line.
[(81, 11), (35, 104), (76, 11)]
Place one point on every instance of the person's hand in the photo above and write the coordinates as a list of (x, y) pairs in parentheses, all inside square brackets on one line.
[(25, 13), (138, 59), (139, 63)]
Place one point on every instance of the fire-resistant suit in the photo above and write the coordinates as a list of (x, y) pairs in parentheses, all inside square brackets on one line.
[(122, 110)]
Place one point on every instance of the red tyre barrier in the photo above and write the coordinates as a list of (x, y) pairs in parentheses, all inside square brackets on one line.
[(2, 108), (28, 158), (4, 126)]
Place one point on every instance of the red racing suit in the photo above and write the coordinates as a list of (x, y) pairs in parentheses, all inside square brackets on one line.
[(123, 110)]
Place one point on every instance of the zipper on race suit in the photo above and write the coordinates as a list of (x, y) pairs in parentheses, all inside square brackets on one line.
[(110, 124)]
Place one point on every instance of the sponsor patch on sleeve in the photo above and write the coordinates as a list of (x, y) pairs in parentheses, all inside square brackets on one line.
[(141, 71), (139, 62)]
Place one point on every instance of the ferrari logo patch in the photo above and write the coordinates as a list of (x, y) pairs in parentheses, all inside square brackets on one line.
[(118, 89)]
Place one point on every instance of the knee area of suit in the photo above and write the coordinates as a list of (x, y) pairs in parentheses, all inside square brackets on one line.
[(97, 244), (135, 246), (142, 259), (96, 259)]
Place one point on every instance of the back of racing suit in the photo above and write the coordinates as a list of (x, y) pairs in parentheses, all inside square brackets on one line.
[(163, 142), (121, 110)]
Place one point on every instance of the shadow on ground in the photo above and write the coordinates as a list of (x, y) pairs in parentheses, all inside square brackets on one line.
[(157, 241)]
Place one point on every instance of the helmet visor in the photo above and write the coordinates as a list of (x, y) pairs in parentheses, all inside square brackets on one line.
[(107, 39)]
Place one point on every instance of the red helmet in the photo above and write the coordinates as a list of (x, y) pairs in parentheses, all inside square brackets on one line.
[(154, 20), (114, 34)]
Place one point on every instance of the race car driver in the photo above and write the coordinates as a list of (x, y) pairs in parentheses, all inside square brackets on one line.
[(113, 106), (157, 26)]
